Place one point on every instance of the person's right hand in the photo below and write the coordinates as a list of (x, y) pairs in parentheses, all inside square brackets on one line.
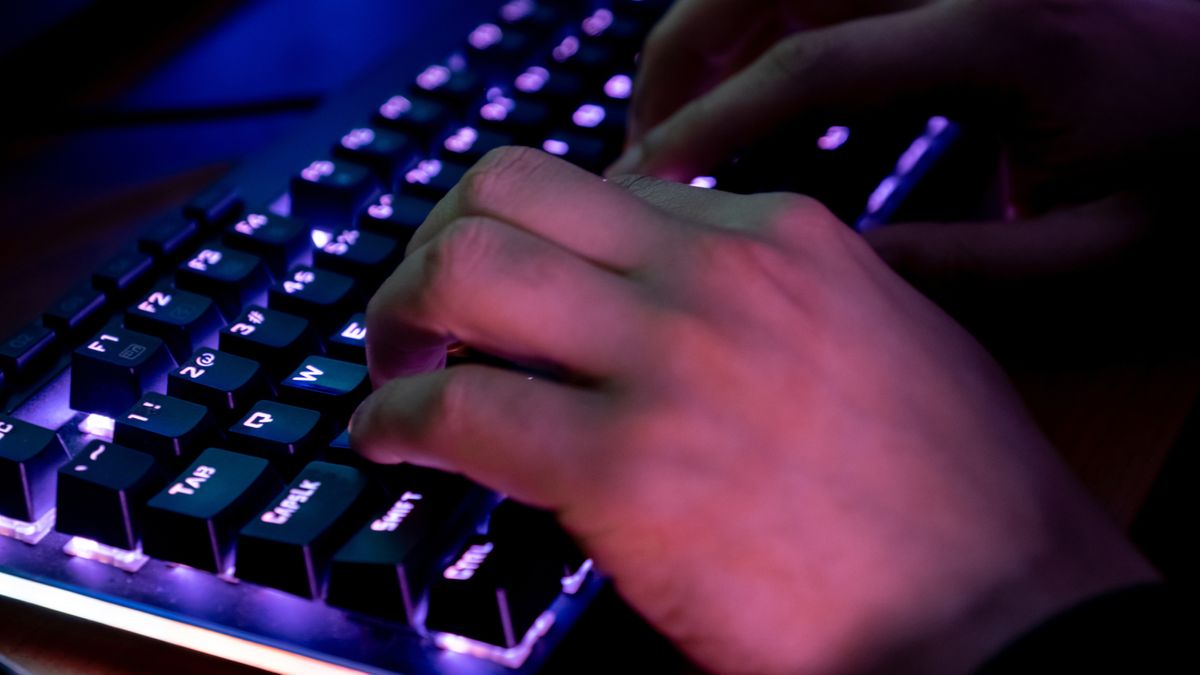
[(1092, 99)]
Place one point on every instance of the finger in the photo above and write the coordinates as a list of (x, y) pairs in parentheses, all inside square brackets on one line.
[(518, 435), (506, 292), (934, 53), (553, 199)]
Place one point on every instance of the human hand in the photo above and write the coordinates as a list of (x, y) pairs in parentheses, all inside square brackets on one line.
[(786, 458)]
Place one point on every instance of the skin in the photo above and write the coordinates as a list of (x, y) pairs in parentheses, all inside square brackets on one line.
[(787, 459)]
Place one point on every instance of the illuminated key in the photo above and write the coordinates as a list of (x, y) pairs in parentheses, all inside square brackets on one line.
[(553, 87), (276, 340), (110, 372), (453, 87), (169, 428), (282, 433), (288, 545), (492, 592), (331, 192), (331, 386), (279, 241), (349, 343), (321, 296), (384, 152), (592, 154), (194, 520), (29, 458), (386, 565), (181, 319), (100, 491), (496, 47), (224, 383), (231, 278), (523, 120), (421, 117), (395, 216), (365, 256), (432, 178)]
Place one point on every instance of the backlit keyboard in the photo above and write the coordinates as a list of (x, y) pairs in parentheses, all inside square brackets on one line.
[(173, 450)]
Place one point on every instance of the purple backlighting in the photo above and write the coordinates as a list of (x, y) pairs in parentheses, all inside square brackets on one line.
[(566, 49), (588, 116), (313, 172), (532, 80), (516, 10), (556, 147), (834, 138), (512, 657), (358, 138), (433, 77), (485, 36), (394, 107), (619, 86), (424, 172), (882, 193), (462, 140), (936, 125), (381, 210), (493, 112), (598, 22), (908, 161), (706, 182)]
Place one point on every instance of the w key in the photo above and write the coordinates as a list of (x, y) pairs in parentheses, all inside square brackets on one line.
[(320, 383)]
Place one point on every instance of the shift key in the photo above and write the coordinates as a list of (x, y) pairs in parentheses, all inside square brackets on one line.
[(288, 545)]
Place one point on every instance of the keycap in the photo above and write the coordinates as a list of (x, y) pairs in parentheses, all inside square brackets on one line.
[(495, 48), (168, 238), (385, 567), (323, 297), (100, 492), (331, 192), (29, 461), (287, 546), (75, 313), (274, 339), (523, 120), (382, 151), (124, 274), (395, 216), (25, 351), (112, 370), (224, 383), (421, 117), (602, 120), (181, 319), (456, 88), (194, 520), (589, 153), (169, 428), (432, 178), (538, 533), (278, 432), (468, 144), (552, 87), (231, 278), (331, 386), (492, 592), (586, 59), (280, 242), (349, 343), (216, 205), (365, 256)]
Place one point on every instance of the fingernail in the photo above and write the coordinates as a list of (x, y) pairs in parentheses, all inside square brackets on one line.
[(627, 162)]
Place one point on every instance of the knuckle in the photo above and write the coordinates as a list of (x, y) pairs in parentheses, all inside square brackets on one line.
[(492, 177), (456, 256), (449, 403)]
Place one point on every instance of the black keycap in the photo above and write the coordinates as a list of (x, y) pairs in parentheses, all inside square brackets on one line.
[(386, 565), (331, 386), (384, 152), (25, 351), (231, 278), (367, 257), (422, 118), (76, 312), (602, 120), (168, 238), (396, 216), (124, 274), (279, 241), (181, 319), (538, 533), (112, 371), (349, 343), (492, 592), (432, 178), (288, 545), (279, 432), (523, 120), (553, 87), (275, 339), (589, 60), (224, 383), (195, 519), (216, 205), (590, 153), (493, 47), (535, 17), (169, 428), (468, 144), (321, 296), (456, 88), (29, 459), (100, 492), (331, 192)]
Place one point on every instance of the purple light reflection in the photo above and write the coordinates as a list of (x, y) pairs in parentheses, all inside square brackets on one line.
[(433, 77), (532, 80), (485, 36), (556, 147), (588, 116), (619, 86)]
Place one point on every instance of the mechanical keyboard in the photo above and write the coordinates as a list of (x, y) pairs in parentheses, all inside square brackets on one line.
[(174, 458)]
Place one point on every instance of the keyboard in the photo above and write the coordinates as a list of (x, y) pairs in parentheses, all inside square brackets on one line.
[(174, 459)]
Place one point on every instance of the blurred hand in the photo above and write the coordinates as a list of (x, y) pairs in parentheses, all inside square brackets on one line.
[(786, 458), (1092, 101)]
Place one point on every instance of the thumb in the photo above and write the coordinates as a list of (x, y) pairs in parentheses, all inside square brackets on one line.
[(933, 53)]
